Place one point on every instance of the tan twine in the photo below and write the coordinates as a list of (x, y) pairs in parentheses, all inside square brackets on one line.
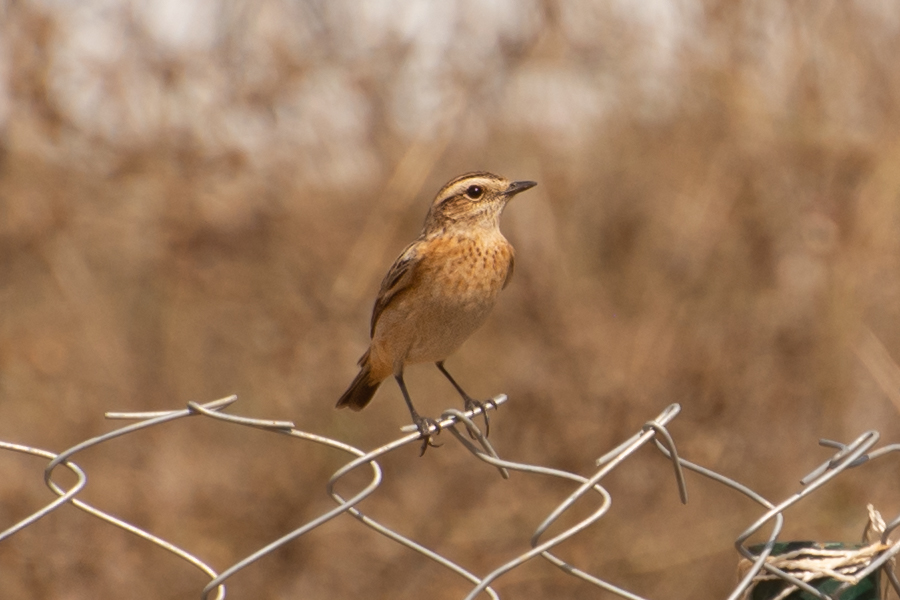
[(810, 564)]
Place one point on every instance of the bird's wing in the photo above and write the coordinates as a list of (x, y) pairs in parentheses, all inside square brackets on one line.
[(398, 278), (509, 270)]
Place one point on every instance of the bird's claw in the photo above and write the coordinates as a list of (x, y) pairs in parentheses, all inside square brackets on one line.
[(427, 429), (473, 404)]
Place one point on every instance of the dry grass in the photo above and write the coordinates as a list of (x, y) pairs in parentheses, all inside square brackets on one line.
[(187, 217)]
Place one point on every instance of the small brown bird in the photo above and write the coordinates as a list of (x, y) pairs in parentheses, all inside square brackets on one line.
[(440, 289)]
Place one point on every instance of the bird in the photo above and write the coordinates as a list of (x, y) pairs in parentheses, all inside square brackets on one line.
[(439, 291)]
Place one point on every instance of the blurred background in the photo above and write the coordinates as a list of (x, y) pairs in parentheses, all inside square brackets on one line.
[(200, 198)]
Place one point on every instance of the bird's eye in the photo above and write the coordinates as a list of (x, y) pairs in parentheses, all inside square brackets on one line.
[(474, 192)]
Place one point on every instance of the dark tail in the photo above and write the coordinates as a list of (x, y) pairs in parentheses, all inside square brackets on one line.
[(360, 392)]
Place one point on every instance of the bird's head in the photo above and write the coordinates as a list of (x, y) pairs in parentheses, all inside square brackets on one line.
[(473, 200)]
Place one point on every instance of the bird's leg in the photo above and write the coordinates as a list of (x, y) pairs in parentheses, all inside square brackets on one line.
[(470, 403), (426, 426)]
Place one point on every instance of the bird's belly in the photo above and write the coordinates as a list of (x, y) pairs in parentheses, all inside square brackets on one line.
[(430, 330), (451, 299), (444, 329)]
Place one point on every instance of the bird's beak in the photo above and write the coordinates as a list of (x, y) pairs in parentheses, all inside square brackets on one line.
[(518, 186)]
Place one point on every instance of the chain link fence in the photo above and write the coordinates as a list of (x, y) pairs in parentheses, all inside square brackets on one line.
[(773, 569)]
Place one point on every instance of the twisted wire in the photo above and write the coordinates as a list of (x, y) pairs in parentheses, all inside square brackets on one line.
[(463, 428)]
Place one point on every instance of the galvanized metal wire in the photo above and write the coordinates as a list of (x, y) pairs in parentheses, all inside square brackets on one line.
[(880, 554)]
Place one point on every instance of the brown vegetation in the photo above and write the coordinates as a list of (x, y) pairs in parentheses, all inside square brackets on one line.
[(193, 210)]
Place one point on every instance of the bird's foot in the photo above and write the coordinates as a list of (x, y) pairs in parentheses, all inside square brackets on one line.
[(473, 404), (427, 429)]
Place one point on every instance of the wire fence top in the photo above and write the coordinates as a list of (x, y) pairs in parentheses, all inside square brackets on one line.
[(760, 564)]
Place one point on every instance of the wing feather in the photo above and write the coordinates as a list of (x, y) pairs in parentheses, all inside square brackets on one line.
[(509, 270), (399, 277)]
